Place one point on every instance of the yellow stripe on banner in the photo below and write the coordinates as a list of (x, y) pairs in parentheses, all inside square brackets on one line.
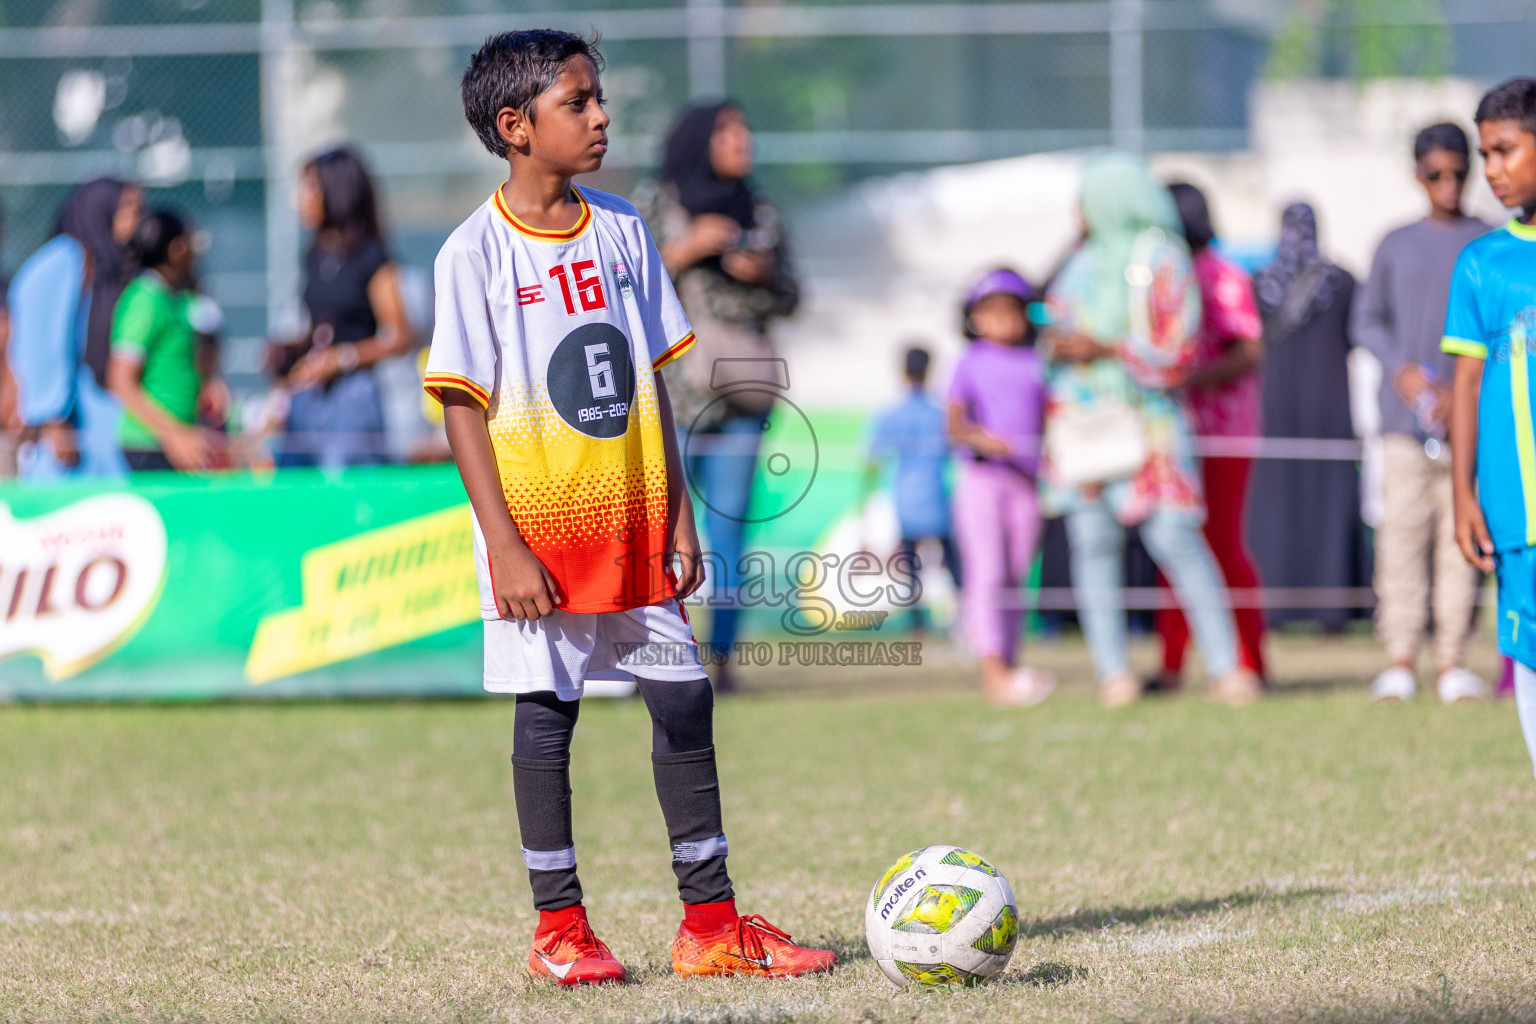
[(1525, 436), (370, 592)]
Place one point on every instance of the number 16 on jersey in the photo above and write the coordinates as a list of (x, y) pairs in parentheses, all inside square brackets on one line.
[(588, 285)]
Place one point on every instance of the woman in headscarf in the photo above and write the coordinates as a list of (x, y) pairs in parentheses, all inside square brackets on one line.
[(62, 301), (1304, 520), (723, 245), (1126, 315)]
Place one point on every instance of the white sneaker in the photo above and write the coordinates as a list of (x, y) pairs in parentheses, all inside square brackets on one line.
[(1458, 684), (1394, 686)]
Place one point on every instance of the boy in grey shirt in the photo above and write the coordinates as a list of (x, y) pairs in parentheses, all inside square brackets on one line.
[(1399, 318)]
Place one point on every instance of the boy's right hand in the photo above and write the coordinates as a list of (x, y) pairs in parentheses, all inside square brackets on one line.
[(521, 586), (1472, 534)]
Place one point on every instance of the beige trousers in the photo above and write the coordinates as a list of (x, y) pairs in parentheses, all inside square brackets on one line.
[(1417, 531)]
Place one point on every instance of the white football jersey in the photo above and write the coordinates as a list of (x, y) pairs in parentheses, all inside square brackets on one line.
[(557, 334)]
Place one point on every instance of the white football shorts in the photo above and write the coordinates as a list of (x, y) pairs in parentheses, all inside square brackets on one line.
[(560, 650)]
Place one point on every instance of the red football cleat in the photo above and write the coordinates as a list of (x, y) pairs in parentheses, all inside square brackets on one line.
[(714, 939), (565, 950)]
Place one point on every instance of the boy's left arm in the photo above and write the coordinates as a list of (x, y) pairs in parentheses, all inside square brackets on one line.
[(682, 534)]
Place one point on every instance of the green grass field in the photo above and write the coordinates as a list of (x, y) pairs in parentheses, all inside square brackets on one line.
[(1309, 858)]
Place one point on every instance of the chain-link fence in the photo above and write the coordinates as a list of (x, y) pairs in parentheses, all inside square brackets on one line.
[(213, 103)]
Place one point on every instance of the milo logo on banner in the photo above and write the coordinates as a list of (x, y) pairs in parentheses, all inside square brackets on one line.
[(77, 583)]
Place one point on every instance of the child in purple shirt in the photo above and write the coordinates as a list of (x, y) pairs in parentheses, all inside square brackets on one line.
[(996, 408)]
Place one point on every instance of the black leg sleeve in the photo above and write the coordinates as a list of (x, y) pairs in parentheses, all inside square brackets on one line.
[(688, 786), (541, 781), (682, 714)]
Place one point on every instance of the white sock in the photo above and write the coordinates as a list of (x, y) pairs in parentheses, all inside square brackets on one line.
[(1525, 705)]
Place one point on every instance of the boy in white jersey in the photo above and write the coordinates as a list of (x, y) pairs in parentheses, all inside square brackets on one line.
[(554, 314)]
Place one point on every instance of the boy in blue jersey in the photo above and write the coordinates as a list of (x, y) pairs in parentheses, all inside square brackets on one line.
[(1490, 323), (912, 434)]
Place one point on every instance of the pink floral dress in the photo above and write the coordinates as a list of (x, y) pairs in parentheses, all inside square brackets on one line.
[(1230, 409)]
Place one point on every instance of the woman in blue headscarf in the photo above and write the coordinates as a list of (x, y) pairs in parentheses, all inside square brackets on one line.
[(1126, 315), (62, 300)]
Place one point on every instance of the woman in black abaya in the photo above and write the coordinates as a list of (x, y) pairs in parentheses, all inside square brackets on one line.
[(1304, 516)]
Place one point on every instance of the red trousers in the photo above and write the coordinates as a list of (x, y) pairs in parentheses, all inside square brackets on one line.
[(1226, 502)]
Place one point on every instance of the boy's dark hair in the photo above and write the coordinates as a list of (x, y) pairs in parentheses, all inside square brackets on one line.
[(512, 70), (1514, 100), (151, 245), (1446, 136), (915, 362), (348, 206), (1194, 215)]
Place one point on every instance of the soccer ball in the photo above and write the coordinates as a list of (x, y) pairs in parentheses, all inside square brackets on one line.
[(941, 916)]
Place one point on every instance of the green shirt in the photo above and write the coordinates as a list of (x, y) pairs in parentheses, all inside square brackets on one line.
[(151, 328)]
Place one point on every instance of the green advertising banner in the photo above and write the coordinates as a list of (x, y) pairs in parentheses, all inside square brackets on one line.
[(294, 584), (301, 583)]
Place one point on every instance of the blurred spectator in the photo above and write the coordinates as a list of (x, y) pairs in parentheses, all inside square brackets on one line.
[(1304, 517), (62, 301), (10, 415), (1222, 395), (157, 369), (356, 318), (996, 409), (911, 435), (1400, 318), (1125, 314), (723, 245)]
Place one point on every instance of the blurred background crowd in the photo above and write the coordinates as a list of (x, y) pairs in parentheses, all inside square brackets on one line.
[(221, 217)]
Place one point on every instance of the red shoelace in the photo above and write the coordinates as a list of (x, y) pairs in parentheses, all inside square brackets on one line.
[(749, 940), (579, 933)]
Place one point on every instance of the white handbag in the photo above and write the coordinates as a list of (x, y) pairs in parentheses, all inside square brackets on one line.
[(1107, 440), (1095, 444)]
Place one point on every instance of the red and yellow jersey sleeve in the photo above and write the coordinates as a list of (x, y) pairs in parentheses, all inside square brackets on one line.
[(435, 381), (673, 351)]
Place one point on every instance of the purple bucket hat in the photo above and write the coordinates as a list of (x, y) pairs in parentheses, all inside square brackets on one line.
[(1001, 281)]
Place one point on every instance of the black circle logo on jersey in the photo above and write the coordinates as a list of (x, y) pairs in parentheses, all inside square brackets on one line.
[(592, 380)]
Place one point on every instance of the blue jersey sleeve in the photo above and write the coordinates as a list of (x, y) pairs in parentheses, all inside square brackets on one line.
[(1465, 333)]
